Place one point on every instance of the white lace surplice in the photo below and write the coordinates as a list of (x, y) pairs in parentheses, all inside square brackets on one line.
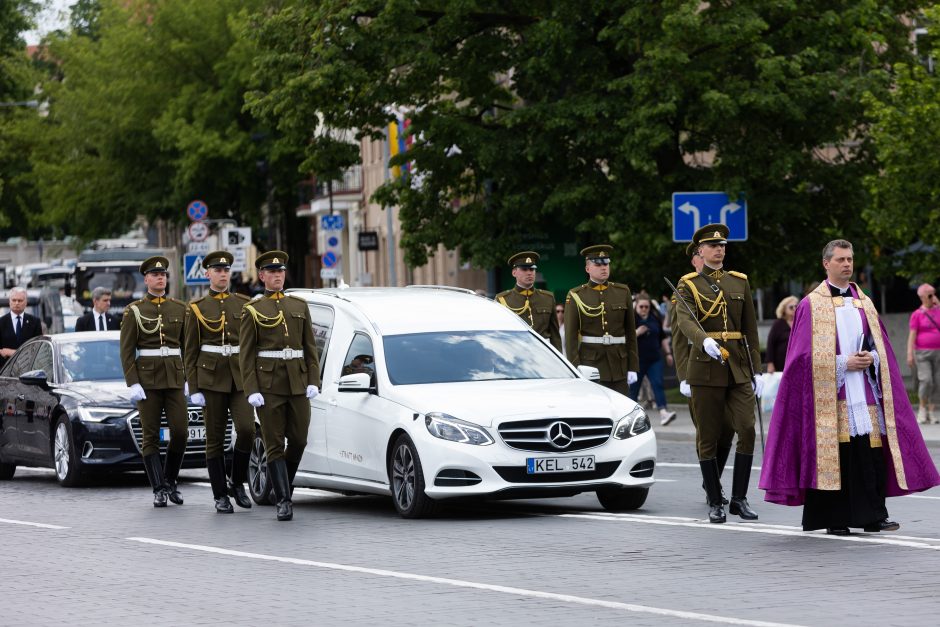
[(851, 333)]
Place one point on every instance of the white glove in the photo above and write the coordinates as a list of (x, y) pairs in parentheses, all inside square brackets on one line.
[(685, 389), (631, 377), (185, 388), (312, 391), (198, 399), (255, 400), (758, 384), (137, 393), (711, 347)]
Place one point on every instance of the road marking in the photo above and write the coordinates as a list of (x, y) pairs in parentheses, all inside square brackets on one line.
[(304, 491), (779, 530), (30, 524), (686, 465), (920, 496), (460, 583)]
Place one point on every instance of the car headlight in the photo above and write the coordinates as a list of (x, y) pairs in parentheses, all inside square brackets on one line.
[(634, 423), (446, 427), (100, 414)]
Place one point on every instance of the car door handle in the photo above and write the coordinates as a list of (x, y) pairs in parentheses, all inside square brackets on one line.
[(332, 402), (21, 397)]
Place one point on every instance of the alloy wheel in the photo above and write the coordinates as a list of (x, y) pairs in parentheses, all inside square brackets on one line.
[(258, 467), (403, 477), (61, 451)]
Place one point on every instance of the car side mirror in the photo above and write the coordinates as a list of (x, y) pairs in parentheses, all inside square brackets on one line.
[(35, 377), (357, 382), (590, 373)]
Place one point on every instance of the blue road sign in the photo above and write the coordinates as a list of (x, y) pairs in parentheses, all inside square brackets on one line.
[(691, 210), (333, 222), (329, 259), (193, 272), (197, 210)]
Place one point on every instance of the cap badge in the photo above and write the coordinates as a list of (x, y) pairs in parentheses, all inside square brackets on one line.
[(717, 234), (602, 254), (528, 259), (275, 260), (159, 264)]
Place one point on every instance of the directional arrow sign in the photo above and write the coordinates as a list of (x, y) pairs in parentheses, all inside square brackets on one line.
[(692, 210)]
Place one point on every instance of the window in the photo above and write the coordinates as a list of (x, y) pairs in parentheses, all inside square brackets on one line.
[(99, 360), (322, 318), (360, 357), (22, 360), (43, 360)]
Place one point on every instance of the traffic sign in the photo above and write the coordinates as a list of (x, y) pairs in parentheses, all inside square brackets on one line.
[(237, 240), (198, 248), (329, 273), (193, 272), (692, 210), (329, 259), (198, 231), (333, 222), (197, 210)]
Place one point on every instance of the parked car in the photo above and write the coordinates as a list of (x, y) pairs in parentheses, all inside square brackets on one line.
[(65, 406), (431, 394)]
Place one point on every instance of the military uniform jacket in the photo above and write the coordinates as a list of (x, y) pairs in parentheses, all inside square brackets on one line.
[(213, 320), (680, 343), (537, 308), (595, 311), (726, 316), (273, 323), (153, 323)]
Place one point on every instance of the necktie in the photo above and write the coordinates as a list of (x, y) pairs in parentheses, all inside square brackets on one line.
[(100, 322), (19, 329)]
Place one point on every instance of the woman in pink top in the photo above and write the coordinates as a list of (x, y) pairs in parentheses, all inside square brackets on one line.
[(923, 349)]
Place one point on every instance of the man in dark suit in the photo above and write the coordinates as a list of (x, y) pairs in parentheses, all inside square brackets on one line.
[(98, 319), (17, 326)]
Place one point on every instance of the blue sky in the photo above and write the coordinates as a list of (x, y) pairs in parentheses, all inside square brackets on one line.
[(54, 15)]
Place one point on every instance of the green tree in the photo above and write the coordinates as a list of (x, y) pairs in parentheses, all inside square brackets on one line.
[(904, 215), (588, 114)]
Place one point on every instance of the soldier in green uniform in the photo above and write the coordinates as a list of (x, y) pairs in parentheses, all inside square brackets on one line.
[(536, 307), (719, 368), (681, 349), (600, 329), (281, 373), (215, 380), (151, 355)]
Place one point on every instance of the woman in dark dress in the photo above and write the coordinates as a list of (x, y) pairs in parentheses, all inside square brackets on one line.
[(779, 335), (652, 343)]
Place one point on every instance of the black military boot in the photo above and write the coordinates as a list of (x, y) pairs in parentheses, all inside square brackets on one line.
[(723, 453), (716, 512), (291, 473), (171, 471), (155, 476), (216, 468), (277, 473), (742, 475), (236, 487)]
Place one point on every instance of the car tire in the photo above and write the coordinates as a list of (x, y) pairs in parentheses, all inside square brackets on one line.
[(262, 493), (7, 471), (65, 461), (406, 480), (622, 499)]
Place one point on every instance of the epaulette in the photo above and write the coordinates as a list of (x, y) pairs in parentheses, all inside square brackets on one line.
[(127, 309), (256, 297), (296, 298), (176, 300), (546, 292), (503, 294), (241, 296), (740, 275), (690, 275)]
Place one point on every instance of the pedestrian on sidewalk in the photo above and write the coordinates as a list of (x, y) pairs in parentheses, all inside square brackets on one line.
[(923, 353), (652, 346), (779, 335), (843, 434)]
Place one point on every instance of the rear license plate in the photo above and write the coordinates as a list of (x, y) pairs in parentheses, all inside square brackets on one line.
[(195, 433), (539, 465)]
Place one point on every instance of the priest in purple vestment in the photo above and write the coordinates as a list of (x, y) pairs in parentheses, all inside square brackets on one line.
[(843, 435)]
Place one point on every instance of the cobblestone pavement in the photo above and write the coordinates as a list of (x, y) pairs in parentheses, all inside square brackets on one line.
[(101, 555)]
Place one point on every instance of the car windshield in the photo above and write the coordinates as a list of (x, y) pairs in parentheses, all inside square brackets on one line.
[(98, 360), (446, 357)]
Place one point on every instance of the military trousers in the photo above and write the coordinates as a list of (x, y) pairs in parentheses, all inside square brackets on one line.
[(219, 405), (284, 417), (620, 385), (159, 401), (712, 407), (724, 440)]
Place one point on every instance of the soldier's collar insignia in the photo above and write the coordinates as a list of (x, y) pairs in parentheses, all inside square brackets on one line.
[(600, 287)]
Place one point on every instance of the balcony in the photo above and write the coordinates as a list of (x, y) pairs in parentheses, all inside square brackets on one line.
[(314, 195)]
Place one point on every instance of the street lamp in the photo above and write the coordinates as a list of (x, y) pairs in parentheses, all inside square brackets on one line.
[(32, 104)]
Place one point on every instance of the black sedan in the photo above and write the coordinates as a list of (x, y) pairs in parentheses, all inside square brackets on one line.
[(65, 406)]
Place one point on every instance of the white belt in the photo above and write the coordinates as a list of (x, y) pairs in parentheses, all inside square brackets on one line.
[(287, 353), (163, 351), (225, 349), (606, 339)]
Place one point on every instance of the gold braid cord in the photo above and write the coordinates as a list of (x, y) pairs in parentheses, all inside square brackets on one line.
[(206, 322), (264, 321), (519, 311), (141, 319), (590, 311), (717, 306)]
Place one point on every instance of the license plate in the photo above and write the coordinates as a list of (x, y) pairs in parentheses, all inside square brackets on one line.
[(195, 433), (539, 465)]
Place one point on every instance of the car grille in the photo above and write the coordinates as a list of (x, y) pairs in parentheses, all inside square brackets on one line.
[(518, 474), (556, 434), (193, 447)]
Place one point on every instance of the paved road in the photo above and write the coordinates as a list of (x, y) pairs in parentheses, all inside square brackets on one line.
[(101, 555)]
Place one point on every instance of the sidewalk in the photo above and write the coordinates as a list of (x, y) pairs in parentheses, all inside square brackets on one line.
[(681, 429)]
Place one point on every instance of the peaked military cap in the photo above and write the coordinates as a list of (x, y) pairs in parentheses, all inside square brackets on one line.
[(272, 260), (218, 259), (711, 234), (691, 249), (599, 253), (525, 259), (155, 264)]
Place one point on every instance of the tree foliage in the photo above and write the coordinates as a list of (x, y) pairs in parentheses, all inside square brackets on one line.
[(587, 114)]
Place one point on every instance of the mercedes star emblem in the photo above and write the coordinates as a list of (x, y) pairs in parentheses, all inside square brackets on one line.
[(560, 434)]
